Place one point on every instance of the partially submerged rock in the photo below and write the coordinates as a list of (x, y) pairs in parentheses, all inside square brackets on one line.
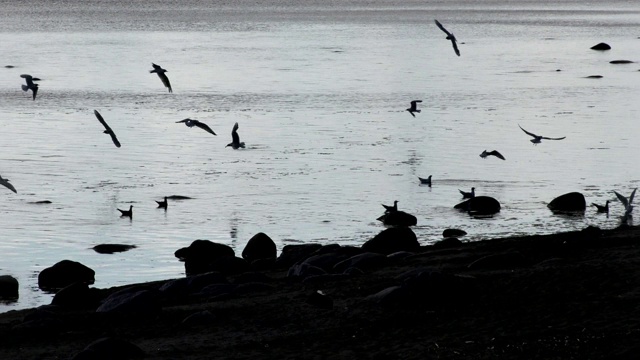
[(398, 218), (480, 205), (601, 46), (573, 201), (65, 273)]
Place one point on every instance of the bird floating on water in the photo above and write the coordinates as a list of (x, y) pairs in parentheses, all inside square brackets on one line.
[(426, 181), (450, 36), (160, 71), (107, 129), (127, 213), (493, 152), (30, 84), (163, 204), (602, 208), (389, 208), (414, 107), (191, 123), (235, 138), (7, 184), (537, 139), (468, 195)]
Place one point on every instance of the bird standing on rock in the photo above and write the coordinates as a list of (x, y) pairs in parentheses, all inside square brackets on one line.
[(389, 208), (468, 195)]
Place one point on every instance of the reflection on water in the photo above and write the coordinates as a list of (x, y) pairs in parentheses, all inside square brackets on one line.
[(320, 94)]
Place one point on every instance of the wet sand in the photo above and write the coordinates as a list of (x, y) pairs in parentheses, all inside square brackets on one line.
[(562, 296)]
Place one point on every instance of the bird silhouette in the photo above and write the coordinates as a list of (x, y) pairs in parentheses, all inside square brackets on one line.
[(628, 207), (426, 181), (494, 153), (7, 184), (450, 36), (389, 208), (414, 107), (468, 195), (107, 129), (537, 139), (163, 204), (602, 208), (30, 84), (127, 213), (191, 123), (160, 71), (235, 138)]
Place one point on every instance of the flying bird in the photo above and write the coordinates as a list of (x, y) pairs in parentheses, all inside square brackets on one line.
[(426, 181), (107, 129), (127, 213), (537, 139), (389, 208), (414, 107), (602, 208), (163, 204), (7, 184), (468, 195), (30, 84), (160, 71), (451, 37), (628, 208), (494, 153), (235, 138), (191, 123)]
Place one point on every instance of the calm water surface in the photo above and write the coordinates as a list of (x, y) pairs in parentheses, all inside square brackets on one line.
[(319, 91)]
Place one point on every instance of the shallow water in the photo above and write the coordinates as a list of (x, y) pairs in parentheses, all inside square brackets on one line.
[(319, 91)]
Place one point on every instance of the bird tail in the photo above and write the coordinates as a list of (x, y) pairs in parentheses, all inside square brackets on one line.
[(242, 145), (25, 88)]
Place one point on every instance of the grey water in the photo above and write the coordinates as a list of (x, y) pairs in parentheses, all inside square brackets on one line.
[(319, 89)]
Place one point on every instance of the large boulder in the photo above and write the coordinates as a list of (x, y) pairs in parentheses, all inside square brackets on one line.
[(392, 240), (8, 287), (601, 46), (259, 247), (398, 218), (199, 256), (63, 274), (573, 201), (76, 296), (132, 301), (292, 254), (110, 348), (480, 205), (365, 262)]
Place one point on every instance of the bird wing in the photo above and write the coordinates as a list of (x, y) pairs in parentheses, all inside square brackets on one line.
[(204, 127), (28, 78), (455, 45), (526, 132), (184, 121), (442, 28), (114, 139), (155, 67), (632, 195), (548, 138), (101, 119), (497, 154), (8, 185), (165, 81), (411, 112), (623, 199), (35, 91)]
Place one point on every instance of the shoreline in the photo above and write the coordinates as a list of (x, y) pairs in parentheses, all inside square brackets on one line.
[(564, 295)]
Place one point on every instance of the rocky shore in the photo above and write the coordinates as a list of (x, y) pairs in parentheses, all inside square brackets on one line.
[(573, 295)]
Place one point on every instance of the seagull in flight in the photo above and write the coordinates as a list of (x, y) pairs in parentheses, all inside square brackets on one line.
[(127, 213), (414, 107), (160, 71), (107, 129), (628, 208), (191, 123), (7, 184), (30, 84), (389, 208), (426, 181), (450, 36), (235, 138), (468, 195), (494, 153), (537, 139)]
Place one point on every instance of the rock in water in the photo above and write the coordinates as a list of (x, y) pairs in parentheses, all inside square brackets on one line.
[(573, 201), (601, 46)]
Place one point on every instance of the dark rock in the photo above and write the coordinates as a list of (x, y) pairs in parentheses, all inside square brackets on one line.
[(252, 287), (63, 274), (320, 300), (204, 251), (217, 290), (325, 261), (76, 296), (325, 278), (509, 260), (399, 255), (368, 261), (263, 264), (292, 254), (191, 284), (435, 287), (398, 218), (112, 248), (453, 233), (480, 205), (620, 62), (249, 277), (392, 240), (304, 270), (178, 197), (601, 46), (110, 348), (573, 201), (390, 296), (260, 246), (8, 287), (226, 265), (447, 243), (201, 318), (131, 301), (594, 77)]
